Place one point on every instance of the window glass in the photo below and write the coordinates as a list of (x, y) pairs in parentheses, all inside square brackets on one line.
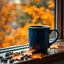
[(17, 15)]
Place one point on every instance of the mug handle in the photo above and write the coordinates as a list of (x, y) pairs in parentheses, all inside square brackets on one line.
[(55, 38)]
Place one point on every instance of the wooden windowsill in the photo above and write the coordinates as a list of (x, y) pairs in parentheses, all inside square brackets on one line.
[(56, 54)]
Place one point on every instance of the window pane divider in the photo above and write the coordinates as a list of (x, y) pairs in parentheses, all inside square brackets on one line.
[(14, 48)]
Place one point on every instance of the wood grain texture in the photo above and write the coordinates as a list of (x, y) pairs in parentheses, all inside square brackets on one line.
[(60, 18)]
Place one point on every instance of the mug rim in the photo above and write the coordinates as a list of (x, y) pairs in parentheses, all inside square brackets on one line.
[(39, 27)]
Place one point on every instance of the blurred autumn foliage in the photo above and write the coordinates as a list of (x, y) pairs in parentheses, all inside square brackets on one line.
[(32, 13), (7, 15)]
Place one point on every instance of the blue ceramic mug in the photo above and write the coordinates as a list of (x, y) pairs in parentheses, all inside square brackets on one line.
[(39, 37)]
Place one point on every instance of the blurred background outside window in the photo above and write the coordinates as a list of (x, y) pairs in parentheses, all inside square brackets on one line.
[(17, 15)]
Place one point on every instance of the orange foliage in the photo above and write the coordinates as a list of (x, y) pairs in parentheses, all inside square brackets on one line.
[(46, 15), (35, 1), (50, 3), (9, 36), (7, 15)]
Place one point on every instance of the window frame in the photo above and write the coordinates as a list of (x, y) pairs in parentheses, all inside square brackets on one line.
[(63, 20), (59, 14), (60, 18)]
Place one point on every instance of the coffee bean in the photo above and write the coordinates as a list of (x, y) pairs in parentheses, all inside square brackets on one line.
[(11, 61), (8, 57), (22, 51), (22, 58), (26, 58), (1, 57), (8, 53), (5, 60)]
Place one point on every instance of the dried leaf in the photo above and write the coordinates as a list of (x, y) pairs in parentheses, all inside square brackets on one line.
[(37, 56), (54, 46)]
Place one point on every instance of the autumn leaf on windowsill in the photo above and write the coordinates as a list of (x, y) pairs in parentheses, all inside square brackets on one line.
[(36, 56), (54, 46)]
